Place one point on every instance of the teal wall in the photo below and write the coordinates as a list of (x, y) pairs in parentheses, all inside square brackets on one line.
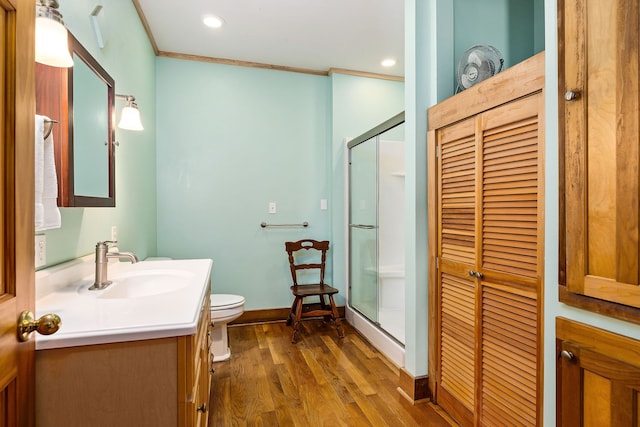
[(230, 140), (357, 105), (428, 73), (514, 27), (130, 60)]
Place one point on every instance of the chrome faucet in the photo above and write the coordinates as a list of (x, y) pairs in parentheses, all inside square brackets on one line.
[(102, 260)]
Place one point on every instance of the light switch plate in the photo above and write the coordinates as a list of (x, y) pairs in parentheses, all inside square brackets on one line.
[(323, 204), (272, 207), (41, 250)]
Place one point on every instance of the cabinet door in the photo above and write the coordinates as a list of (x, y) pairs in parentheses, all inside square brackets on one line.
[(596, 386), (599, 74)]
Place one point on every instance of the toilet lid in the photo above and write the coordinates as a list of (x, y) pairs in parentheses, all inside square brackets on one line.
[(219, 301)]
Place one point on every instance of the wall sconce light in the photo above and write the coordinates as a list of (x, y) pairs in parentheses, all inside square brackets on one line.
[(130, 117), (52, 41)]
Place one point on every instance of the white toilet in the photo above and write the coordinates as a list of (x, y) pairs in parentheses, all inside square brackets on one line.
[(224, 309)]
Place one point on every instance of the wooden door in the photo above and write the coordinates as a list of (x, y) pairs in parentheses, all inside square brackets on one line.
[(17, 276), (457, 289), (486, 212), (600, 116)]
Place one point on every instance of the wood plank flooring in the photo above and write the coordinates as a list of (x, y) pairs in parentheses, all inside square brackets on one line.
[(320, 381)]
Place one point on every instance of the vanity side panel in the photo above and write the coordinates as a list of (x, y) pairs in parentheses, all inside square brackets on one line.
[(131, 383)]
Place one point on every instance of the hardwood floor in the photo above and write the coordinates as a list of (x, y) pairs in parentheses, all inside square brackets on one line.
[(320, 381)]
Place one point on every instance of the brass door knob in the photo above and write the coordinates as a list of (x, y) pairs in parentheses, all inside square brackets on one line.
[(45, 325)]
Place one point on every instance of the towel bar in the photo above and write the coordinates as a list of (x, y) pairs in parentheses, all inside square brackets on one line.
[(48, 127), (264, 225)]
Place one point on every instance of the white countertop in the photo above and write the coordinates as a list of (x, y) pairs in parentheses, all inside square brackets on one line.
[(91, 317)]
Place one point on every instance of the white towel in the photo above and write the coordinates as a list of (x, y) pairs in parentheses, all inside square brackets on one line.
[(47, 212)]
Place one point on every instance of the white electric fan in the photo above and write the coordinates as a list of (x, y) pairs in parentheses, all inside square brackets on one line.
[(476, 64)]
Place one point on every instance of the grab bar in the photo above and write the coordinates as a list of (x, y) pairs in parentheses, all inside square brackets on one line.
[(264, 225), (363, 226)]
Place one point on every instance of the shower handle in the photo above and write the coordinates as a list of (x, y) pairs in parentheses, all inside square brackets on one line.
[(363, 226)]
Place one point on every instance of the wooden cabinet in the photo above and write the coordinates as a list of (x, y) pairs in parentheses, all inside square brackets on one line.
[(195, 379), (486, 238), (155, 383), (598, 377), (600, 155)]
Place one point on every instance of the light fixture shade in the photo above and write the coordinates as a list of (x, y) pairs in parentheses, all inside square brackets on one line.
[(52, 45), (130, 118)]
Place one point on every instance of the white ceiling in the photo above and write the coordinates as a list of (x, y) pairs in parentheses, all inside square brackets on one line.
[(308, 34)]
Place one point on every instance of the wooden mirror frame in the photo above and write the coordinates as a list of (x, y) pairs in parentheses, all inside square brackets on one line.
[(54, 99)]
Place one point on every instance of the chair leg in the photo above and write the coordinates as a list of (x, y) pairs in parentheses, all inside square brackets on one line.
[(336, 317), (324, 306), (292, 312), (296, 322)]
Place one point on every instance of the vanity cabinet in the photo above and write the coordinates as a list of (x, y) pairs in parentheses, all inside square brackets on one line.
[(600, 156), (598, 377), (154, 382)]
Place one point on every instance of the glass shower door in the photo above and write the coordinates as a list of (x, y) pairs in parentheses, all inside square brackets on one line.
[(363, 228)]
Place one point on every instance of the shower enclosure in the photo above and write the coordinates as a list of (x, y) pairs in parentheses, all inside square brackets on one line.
[(376, 226)]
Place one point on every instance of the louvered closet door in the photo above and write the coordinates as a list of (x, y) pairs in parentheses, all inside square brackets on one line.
[(490, 239), (457, 253), (510, 262)]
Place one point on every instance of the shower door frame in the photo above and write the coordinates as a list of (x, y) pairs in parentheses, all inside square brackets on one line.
[(375, 132)]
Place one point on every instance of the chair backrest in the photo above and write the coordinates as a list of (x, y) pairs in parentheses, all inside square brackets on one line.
[(307, 245)]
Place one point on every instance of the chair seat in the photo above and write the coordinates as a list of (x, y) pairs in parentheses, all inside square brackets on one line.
[(310, 290)]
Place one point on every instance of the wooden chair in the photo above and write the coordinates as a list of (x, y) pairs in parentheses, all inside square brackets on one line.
[(300, 254)]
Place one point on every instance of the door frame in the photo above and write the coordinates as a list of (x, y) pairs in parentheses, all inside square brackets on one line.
[(17, 199)]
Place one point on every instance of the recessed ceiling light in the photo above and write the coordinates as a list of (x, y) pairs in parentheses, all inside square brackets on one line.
[(388, 62), (213, 21)]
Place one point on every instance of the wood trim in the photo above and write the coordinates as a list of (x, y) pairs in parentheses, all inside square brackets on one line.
[(619, 311), (333, 70), (146, 26), (490, 93), (236, 62), (433, 238), (270, 315), (562, 259), (18, 204), (239, 63), (413, 388)]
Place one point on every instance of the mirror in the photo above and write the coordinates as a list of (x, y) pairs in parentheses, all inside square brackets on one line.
[(82, 100)]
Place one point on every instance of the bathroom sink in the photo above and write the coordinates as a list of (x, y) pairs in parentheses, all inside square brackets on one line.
[(145, 283)]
